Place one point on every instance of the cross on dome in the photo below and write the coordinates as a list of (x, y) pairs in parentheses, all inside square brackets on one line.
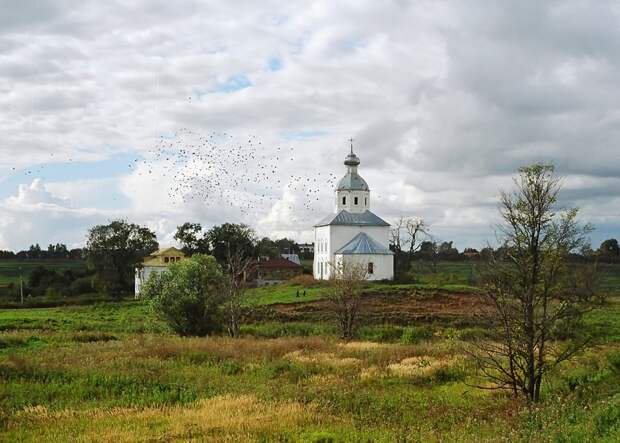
[(352, 159)]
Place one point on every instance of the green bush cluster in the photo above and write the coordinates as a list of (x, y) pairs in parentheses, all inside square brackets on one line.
[(292, 329), (188, 296), (395, 333)]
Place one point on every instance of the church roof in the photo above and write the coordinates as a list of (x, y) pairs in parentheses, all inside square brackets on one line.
[(363, 244), (344, 217), (352, 181)]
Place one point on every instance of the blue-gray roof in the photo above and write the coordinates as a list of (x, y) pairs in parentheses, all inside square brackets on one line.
[(344, 217), (352, 181), (363, 244)]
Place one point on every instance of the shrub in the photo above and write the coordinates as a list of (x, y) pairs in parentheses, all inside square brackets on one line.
[(293, 329), (82, 285), (383, 333), (614, 360), (51, 292), (608, 419), (188, 296), (411, 335)]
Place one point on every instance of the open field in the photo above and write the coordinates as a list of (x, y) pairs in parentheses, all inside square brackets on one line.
[(11, 269), (110, 372)]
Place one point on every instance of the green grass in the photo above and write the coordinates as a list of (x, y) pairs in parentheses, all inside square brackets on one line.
[(122, 317), (64, 374), (109, 371), (283, 293), (463, 274)]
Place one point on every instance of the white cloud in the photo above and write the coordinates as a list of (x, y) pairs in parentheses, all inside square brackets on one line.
[(445, 100)]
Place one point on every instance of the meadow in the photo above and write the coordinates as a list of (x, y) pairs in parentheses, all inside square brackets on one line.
[(110, 371), (10, 270)]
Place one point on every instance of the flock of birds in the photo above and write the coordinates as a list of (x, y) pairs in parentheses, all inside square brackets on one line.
[(216, 169)]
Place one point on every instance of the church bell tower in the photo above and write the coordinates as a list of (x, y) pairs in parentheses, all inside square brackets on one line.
[(352, 193)]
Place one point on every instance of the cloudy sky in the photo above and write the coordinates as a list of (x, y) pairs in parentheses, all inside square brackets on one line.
[(445, 100)]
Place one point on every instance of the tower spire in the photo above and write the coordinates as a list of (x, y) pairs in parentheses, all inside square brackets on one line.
[(351, 140)]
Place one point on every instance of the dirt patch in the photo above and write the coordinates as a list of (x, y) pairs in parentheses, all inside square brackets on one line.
[(396, 307)]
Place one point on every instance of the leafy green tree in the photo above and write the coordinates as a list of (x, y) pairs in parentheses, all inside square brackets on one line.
[(609, 248), (192, 238), (266, 247), (447, 251), (189, 295), (35, 251), (532, 289), (113, 251), (287, 246), (231, 239)]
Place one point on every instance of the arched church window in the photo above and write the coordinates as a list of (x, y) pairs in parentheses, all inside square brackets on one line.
[(344, 200), (355, 200)]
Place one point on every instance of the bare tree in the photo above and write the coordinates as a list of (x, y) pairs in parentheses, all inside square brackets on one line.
[(345, 292), (238, 270), (395, 233), (532, 289), (407, 236)]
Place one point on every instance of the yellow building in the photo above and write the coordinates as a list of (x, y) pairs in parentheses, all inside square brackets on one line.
[(156, 262)]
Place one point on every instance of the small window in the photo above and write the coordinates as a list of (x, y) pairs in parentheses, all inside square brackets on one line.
[(371, 268), (365, 201), (355, 201), (344, 200)]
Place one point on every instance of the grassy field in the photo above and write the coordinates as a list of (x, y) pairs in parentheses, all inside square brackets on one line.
[(110, 371), (458, 277)]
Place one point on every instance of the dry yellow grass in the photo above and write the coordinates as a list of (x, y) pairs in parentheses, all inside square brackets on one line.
[(362, 345), (96, 355), (223, 418), (420, 366), (322, 358)]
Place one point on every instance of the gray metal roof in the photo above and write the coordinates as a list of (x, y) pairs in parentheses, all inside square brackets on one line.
[(352, 181), (363, 244), (344, 217)]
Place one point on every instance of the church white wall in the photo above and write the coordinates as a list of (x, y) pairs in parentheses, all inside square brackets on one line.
[(322, 252), (328, 239), (363, 201), (383, 265)]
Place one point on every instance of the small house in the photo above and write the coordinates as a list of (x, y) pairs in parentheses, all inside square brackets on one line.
[(268, 271), (156, 262)]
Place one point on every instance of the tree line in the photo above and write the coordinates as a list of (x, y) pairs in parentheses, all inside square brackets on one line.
[(35, 252)]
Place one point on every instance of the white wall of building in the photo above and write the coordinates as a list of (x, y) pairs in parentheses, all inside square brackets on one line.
[(322, 255), (346, 199), (328, 239), (383, 265), (142, 275)]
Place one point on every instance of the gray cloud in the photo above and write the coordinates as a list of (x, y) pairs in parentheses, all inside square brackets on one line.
[(445, 99)]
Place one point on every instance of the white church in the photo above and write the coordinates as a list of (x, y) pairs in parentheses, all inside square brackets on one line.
[(353, 233)]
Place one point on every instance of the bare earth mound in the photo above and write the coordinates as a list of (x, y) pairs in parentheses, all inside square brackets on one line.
[(397, 306)]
